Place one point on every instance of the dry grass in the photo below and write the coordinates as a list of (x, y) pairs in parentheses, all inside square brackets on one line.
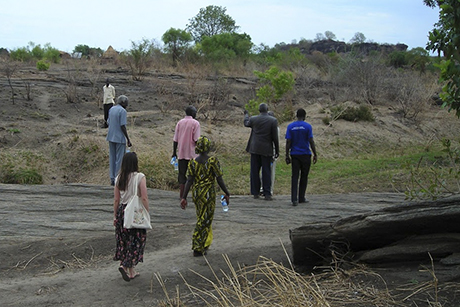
[(271, 284), (268, 283), (57, 265)]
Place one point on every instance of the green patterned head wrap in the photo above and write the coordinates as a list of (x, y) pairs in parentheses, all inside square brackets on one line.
[(202, 145)]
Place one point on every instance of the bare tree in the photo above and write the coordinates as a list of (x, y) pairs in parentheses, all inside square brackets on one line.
[(27, 85), (71, 90), (364, 75), (9, 68), (412, 92), (93, 73)]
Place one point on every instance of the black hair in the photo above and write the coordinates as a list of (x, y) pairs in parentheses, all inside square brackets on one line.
[(190, 111), (301, 113), (263, 107)]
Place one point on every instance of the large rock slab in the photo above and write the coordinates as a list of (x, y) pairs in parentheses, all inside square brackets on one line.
[(405, 231)]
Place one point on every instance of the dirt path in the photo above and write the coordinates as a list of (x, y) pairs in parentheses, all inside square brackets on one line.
[(57, 242)]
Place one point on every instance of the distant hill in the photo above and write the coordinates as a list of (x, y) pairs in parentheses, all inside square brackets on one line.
[(329, 45)]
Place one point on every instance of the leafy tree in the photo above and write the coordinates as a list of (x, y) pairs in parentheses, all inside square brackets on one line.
[(445, 39), (51, 54), (139, 58), (397, 59), (275, 85), (330, 35), (210, 21), (86, 51), (226, 46), (264, 54), (176, 42), (96, 52), (21, 54), (37, 51), (291, 58), (358, 38), (320, 37), (418, 58), (83, 49)]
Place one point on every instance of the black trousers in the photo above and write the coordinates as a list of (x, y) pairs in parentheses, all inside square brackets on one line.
[(261, 162), (300, 165), (107, 107), (182, 174)]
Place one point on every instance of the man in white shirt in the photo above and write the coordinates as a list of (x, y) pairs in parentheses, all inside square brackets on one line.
[(108, 102)]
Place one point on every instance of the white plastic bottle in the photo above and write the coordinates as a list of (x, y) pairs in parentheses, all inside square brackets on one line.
[(174, 163), (224, 203)]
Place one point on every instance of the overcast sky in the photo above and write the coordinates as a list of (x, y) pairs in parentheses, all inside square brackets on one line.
[(101, 23)]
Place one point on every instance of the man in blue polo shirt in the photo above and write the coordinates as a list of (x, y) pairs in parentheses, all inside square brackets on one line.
[(299, 140)]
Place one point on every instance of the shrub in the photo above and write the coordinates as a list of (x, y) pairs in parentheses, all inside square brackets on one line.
[(276, 85), (22, 167), (397, 59), (20, 54), (352, 114), (43, 65), (434, 177), (23, 176), (51, 54)]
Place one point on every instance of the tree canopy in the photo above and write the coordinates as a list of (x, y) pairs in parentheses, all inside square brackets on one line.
[(210, 21), (176, 42), (445, 39), (226, 46), (358, 38)]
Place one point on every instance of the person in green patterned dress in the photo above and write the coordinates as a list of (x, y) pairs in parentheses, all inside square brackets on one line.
[(202, 173)]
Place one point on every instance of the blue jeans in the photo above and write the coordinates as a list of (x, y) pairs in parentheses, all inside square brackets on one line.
[(116, 153), (300, 166)]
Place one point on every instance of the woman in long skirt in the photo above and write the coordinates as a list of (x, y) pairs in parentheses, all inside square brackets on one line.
[(130, 242), (203, 171)]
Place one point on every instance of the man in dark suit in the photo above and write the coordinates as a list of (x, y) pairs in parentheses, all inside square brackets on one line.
[(264, 136)]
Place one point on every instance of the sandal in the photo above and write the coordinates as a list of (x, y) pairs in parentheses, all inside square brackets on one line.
[(124, 274), (136, 274)]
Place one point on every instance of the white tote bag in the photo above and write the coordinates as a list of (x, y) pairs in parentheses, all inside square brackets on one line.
[(136, 216)]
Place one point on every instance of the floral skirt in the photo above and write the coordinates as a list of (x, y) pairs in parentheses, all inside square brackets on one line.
[(130, 242)]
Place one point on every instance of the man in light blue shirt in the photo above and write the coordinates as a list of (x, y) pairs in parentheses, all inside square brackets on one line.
[(117, 136)]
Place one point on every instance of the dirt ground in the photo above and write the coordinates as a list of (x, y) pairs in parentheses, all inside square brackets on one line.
[(57, 243), (57, 240)]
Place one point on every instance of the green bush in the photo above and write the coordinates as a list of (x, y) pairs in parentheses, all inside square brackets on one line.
[(352, 114), (21, 167), (20, 54), (275, 85), (23, 176), (51, 54), (43, 65)]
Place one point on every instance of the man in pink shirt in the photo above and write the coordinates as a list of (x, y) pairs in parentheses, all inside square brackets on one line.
[(185, 136)]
